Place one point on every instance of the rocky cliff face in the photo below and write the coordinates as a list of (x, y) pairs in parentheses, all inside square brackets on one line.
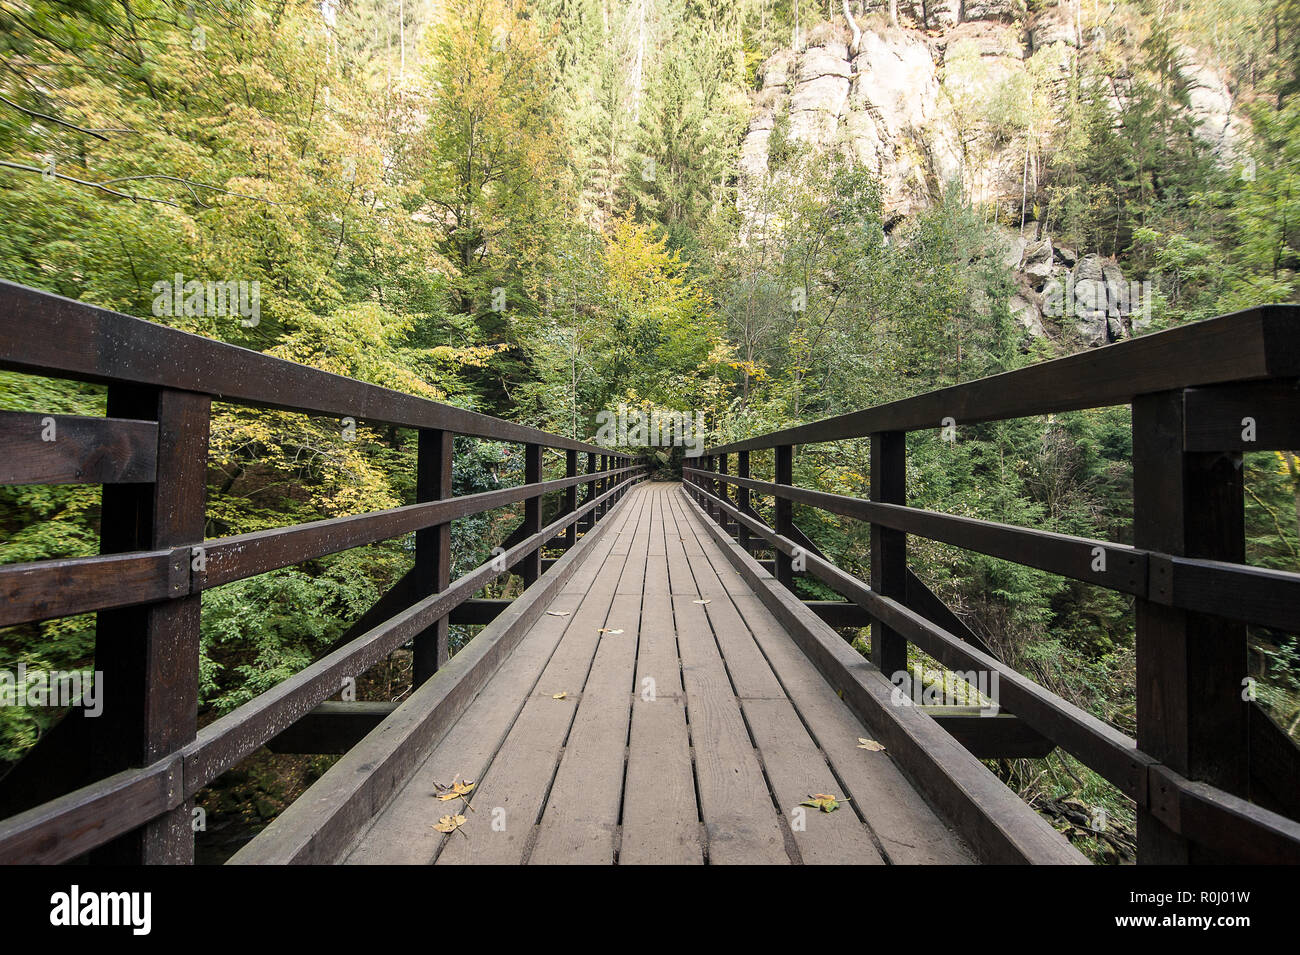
[(921, 108)]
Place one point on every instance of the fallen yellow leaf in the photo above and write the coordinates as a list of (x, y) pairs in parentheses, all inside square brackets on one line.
[(870, 744), (457, 790), (559, 696), (823, 801), (450, 823)]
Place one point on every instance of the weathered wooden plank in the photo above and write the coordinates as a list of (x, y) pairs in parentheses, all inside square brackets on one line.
[(401, 832), (796, 770), (229, 739), (70, 826), (661, 821), (147, 657), (738, 814), (321, 826), (997, 825), (38, 448), (580, 822), (750, 675), (1190, 713), (907, 829)]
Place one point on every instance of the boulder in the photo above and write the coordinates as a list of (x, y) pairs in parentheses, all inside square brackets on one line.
[(1028, 315)]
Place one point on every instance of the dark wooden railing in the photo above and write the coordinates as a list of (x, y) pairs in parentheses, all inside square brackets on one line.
[(145, 754), (1212, 777)]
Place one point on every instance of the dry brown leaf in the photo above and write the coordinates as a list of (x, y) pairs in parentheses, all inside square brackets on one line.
[(870, 745), (701, 601), (559, 696), (558, 613), (608, 630)]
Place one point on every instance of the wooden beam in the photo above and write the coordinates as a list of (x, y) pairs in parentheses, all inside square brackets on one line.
[(1252, 344), (1274, 765), (147, 657), (66, 449), (1122, 567), (1095, 743), (532, 562), (1255, 416), (435, 457), (1001, 736), (332, 728), (229, 739), (784, 516), (570, 497), (1191, 716), (888, 546), (479, 611), (88, 343)]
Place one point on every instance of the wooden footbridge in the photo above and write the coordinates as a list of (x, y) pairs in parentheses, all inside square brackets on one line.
[(658, 693)]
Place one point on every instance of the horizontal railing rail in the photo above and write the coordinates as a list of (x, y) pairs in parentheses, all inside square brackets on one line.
[(147, 759), (1254, 344), (1195, 391)]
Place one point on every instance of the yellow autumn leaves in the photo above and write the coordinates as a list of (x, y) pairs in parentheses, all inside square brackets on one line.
[(457, 790)]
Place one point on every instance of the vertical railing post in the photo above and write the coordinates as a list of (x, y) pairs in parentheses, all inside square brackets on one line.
[(571, 497), (742, 500), (722, 492), (589, 521), (888, 546), (603, 486), (1191, 714), (434, 459), (711, 486), (531, 567), (147, 657), (784, 513)]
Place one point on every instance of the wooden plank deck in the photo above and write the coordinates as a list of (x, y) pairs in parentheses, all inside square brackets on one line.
[(690, 729)]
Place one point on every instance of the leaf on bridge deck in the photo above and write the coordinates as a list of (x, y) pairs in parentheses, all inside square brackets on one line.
[(870, 744), (451, 824), (608, 630), (823, 801), (701, 601), (558, 613), (559, 696), (457, 790)]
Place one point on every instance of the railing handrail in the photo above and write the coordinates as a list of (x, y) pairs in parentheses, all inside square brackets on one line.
[(1256, 343), (87, 343)]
